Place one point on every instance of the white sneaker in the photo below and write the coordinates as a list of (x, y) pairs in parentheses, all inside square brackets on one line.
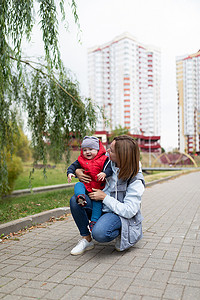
[(82, 246), (117, 243)]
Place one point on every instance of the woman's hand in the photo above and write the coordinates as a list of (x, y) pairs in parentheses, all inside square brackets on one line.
[(97, 195), (81, 176)]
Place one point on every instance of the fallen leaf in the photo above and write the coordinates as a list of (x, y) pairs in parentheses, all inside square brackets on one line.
[(44, 283)]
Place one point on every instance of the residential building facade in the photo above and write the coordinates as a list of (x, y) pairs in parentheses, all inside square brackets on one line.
[(124, 80), (188, 92)]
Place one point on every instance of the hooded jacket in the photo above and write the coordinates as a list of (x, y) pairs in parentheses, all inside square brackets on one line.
[(93, 167)]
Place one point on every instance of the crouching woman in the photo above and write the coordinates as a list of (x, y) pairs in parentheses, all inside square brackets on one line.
[(121, 216)]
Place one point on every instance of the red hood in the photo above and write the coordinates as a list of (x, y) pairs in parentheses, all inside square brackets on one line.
[(102, 151)]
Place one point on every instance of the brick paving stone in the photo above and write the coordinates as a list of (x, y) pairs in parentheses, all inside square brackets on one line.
[(158, 253), (45, 275), (148, 284), (107, 294), (186, 275), (5, 280), (139, 261), (194, 268), (121, 273), (12, 297), (58, 292), (181, 266), (186, 282), (144, 291), (76, 292), (28, 292), (101, 268), (12, 285), (82, 275), (27, 269), (13, 261), (149, 298), (59, 276), (91, 298), (165, 264), (88, 282), (145, 273), (40, 285), (8, 268), (173, 292), (131, 297), (21, 275), (105, 282), (160, 276), (126, 268), (191, 293), (121, 284)]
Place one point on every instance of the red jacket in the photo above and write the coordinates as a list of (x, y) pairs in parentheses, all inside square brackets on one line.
[(93, 167)]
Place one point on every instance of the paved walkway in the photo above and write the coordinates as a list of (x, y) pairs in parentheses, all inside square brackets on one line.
[(165, 264)]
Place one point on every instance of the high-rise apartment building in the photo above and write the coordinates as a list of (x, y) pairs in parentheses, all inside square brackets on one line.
[(124, 80), (188, 89)]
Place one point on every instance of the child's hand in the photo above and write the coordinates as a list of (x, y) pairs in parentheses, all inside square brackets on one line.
[(70, 177), (101, 176)]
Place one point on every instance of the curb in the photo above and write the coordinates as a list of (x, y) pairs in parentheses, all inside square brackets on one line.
[(42, 189), (161, 180), (16, 225)]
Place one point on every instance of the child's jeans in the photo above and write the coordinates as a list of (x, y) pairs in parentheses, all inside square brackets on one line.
[(80, 189)]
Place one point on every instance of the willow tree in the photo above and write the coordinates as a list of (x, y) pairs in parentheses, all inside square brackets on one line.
[(45, 91)]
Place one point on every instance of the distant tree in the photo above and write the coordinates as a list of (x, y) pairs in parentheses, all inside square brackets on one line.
[(15, 168), (46, 91), (175, 150), (22, 146), (162, 150), (119, 130)]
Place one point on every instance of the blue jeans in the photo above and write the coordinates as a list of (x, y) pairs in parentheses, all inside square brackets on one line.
[(107, 228), (79, 189)]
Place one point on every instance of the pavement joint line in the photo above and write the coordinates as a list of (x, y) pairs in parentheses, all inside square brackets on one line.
[(16, 225)]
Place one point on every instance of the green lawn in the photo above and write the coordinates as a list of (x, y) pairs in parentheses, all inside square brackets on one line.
[(57, 175), (12, 208), (156, 175)]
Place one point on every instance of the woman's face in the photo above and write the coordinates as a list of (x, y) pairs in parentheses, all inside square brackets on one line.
[(111, 152)]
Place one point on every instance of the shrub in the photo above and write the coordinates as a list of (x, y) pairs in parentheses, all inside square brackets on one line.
[(14, 165)]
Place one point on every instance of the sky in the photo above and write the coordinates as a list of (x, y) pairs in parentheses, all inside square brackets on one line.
[(170, 25)]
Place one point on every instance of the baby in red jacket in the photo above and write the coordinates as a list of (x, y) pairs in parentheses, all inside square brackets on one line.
[(96, 164)]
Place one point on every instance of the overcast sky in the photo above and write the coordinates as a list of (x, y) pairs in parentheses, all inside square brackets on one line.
[(171, 25)]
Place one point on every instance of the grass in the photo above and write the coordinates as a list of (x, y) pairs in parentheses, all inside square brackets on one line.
[(156, 175), (12, 208), (58, 175)]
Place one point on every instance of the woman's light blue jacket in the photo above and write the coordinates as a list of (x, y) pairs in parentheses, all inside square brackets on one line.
[(124, 199)]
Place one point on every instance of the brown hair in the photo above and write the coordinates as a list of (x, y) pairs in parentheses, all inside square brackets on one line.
[(128, 156)]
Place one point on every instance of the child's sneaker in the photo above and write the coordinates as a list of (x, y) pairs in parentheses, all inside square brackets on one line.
[(91, 225), (80, 199)]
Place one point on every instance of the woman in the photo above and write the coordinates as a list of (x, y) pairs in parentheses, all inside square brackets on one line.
[(121, 199)]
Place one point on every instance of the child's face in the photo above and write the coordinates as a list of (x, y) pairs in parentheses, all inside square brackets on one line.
[(89, 153)]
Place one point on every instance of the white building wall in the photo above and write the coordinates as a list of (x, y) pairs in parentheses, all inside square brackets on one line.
[(121, 82), (190, 102)]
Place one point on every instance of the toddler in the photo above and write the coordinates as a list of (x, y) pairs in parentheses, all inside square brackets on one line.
[(95, 164)]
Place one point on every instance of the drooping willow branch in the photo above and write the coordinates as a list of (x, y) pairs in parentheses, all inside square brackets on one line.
[(47, 75)]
